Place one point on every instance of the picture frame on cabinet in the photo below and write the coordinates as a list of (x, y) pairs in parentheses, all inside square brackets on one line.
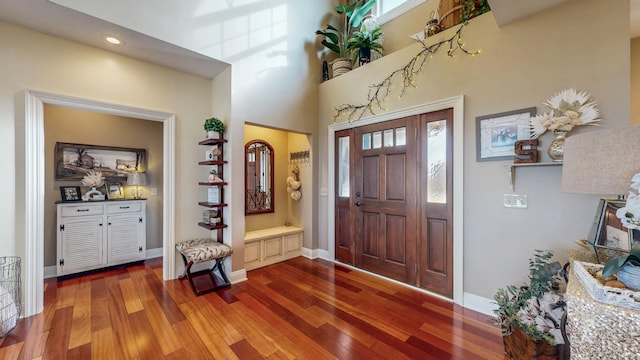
[(70, 193), (115, 190), (496, 134)]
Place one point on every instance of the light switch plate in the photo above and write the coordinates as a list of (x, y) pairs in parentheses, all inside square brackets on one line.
[(515, 201), (154, 191)]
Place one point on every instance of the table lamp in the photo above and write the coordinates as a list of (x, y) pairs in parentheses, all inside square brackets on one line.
[(137, 179), (602, 163)]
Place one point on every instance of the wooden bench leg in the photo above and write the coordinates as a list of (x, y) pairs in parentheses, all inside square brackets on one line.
[(217, 283)]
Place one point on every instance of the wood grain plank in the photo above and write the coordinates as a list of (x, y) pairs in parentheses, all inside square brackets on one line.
[(132, 301), (148, 345), (124, 343), (102, 345), (169, 306), (81, 352), (191, 343), (81, 321), (58, 340), (168, 339), (11, 351), (205, 325)]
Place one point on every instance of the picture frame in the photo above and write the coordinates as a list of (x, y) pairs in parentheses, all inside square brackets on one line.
[(496, 134), (607, 231), (74, 161), (114, 190), (70, 193)]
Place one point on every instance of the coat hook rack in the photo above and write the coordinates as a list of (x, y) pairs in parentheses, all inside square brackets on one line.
[(299, 157)]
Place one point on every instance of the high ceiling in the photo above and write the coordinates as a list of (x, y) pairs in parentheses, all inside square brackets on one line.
[(53, 19)]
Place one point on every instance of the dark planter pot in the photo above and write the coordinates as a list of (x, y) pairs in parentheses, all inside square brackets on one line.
[(365, 55)]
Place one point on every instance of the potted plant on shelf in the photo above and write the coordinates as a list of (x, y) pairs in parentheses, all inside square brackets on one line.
[(533, 317), (350, 16), (214, 128), (362, 42)]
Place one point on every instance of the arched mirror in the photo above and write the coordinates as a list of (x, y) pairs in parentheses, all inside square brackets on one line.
[(258, 171)]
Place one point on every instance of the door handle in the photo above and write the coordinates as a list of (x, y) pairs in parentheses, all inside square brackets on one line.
[(358, 203)]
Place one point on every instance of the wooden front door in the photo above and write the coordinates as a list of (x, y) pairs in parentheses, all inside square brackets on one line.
[(393, 213), (385, 198)]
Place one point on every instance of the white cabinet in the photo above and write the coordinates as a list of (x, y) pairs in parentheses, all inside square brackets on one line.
[(96, 235), (269, 246)]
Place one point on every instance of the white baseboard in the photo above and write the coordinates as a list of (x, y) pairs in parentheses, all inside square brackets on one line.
[(153, 253), (479, 304), (315, 254), (50, 272), (238, 276)]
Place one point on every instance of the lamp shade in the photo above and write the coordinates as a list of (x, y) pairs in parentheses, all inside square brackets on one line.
[(137, 179), (601, 162)]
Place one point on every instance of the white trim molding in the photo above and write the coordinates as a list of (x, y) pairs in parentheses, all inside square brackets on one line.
[(479, 304), (315, 254), (238, 276), (457, 103), (34, 184)]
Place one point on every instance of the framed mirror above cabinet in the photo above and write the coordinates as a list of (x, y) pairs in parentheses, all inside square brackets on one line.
[(258, 170)]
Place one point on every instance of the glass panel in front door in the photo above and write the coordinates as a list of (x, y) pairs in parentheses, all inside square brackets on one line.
[(437, 162), (343, 166)]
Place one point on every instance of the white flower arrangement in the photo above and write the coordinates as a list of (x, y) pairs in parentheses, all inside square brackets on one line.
[(630, 213), (93, 179), (569, 108), (294, 185)]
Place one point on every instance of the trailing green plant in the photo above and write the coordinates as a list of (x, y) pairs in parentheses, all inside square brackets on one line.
[(472, 8), (544, 277), (614, 264), (350, 16), (214, 124), (364, 39)]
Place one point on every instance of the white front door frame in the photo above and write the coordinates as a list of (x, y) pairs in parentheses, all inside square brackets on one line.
[(457, 103), (34, 184)]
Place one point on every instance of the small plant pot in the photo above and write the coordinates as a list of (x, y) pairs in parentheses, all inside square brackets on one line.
[(629, 275), (365, 55), (213, 135), (340, 66)]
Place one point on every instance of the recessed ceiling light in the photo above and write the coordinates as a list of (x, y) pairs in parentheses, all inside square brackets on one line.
[(112, 39)]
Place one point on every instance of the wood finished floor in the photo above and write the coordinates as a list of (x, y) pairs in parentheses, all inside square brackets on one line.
[(299, 309)]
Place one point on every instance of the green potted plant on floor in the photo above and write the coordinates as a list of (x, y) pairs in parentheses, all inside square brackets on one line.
[(363, 42), (335, 39), (533, 316), (214, 128)]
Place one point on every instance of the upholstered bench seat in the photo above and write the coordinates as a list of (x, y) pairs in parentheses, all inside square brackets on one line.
[(201, 250)]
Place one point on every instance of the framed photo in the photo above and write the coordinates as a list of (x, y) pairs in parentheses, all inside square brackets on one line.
[(74, 161), (70, 193), (607, 230), (114, 190), (497, 133)]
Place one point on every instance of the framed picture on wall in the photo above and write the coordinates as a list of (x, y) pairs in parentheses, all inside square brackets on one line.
[(70, 193), (115, 190), (496, 134), (74, 161)]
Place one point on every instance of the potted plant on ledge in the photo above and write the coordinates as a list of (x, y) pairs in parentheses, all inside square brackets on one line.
[(214, 128), (350, 15), (361, 44), (533, 317)]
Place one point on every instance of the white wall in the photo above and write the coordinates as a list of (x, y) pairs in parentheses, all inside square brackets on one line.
[(582, 44), (31, 60)]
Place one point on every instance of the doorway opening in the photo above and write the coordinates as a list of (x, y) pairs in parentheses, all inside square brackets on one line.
[(34, 187)]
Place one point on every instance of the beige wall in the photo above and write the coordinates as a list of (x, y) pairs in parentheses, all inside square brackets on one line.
[(86, 127), (31, 60), (581, 44), (635, 81)]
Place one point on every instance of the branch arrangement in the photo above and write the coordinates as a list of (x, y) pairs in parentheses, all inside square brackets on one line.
[(380, 91)]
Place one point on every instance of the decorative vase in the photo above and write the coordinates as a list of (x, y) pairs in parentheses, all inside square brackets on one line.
[(93, 194), (629, 275), (340, 66), (556, 148)]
